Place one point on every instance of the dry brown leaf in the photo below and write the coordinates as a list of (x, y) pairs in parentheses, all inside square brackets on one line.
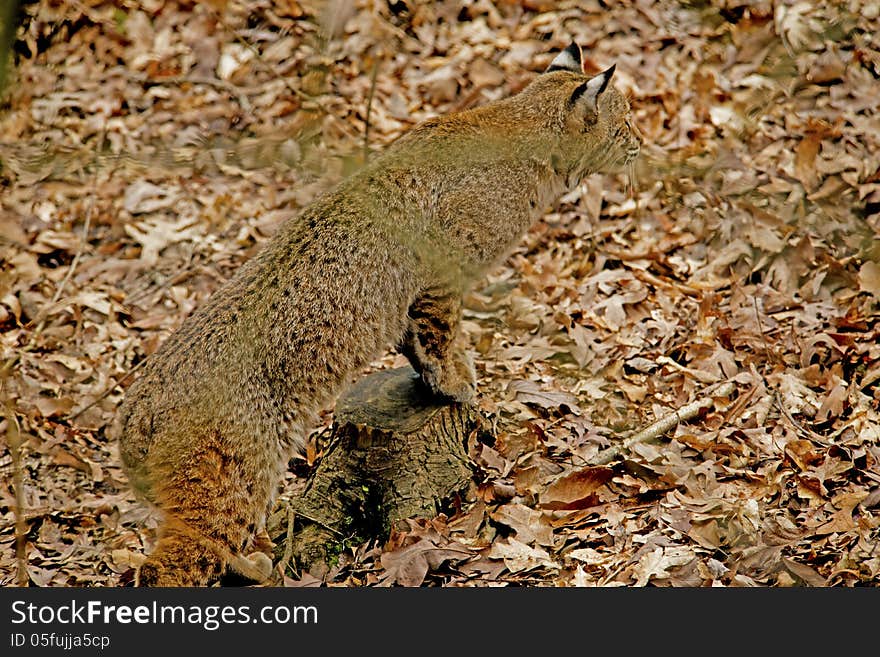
[(803, 572), (485, 74), (519, 557), (409, 566), (869, 278), (656, 563), (62, 457), (530, 525), (52, 407), (842, 521), (529, 392), (803, 453), (807, 150), (576, 490)]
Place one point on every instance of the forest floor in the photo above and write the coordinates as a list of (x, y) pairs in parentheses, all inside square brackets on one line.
[(148, 148)]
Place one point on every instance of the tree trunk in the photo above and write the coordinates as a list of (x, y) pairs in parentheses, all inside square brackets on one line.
[(395, 452)]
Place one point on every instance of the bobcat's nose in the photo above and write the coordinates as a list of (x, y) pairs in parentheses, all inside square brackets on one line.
[(635, 143), (634, 147), (636, 140)]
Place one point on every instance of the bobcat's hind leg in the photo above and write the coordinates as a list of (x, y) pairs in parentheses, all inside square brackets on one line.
[(212, 502), (433, 345), (182, 558)]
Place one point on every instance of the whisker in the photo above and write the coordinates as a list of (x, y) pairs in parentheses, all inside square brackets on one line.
[(632, 183)]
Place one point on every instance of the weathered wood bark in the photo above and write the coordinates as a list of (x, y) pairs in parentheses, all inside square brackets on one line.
[(395, 452)]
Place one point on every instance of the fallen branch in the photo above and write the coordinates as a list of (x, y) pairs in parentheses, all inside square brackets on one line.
[(666, 423)]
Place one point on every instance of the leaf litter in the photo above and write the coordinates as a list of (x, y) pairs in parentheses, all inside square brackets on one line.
[(147, 149)]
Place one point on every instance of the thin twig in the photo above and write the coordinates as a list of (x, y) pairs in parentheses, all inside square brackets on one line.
[(13, 431), (13, 440), (732, 412), (768, 355), (666, 423), (699, 375), (373, 75), (71, 417), (797, 426), (288, 541), (777, 399), (320, 523), (183, 272), (76, 258)]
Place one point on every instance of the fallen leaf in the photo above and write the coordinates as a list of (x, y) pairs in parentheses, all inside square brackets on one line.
[(53, 407), (155, 234), (576, 490), (530, 525), (143, 196), (410, 565), (803, 572), (125, 559), (869, 278), (519, 557), (63, 458), (807, 150), (656, 563), (828, 67), (529, 392), (484, 74), (842, 521)]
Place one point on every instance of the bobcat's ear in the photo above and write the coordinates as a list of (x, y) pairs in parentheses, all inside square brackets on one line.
[(587, 94), (568, 60)]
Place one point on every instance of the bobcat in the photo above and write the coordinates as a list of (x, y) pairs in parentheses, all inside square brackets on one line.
[(384, 259)]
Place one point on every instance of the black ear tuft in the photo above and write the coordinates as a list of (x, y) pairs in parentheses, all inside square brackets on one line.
[(606, 77), (588, 93), (568, 60)]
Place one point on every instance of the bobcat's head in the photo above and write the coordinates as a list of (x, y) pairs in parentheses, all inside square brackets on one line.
[(589, 119)]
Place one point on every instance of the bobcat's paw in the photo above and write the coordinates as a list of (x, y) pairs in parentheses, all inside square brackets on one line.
[(454, 379), (256, 566)]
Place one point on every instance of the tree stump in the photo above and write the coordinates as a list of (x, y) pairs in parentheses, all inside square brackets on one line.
[(395, 452)]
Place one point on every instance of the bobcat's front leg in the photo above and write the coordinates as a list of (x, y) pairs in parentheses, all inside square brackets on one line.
[(433, 345)]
